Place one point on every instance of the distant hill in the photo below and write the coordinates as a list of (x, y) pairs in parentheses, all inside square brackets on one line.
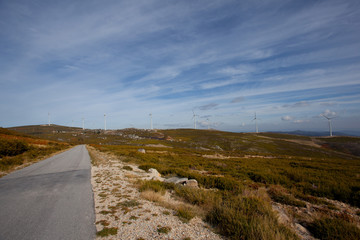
[(319, 134), (283, 143)]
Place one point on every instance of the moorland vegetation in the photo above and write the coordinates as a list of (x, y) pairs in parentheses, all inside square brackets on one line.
[(242, 175), (17, 149)]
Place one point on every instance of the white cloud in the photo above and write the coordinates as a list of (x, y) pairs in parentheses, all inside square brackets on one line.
[(329, 113), (287, 118)]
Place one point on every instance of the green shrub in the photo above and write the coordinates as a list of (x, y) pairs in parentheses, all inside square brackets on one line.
[(12, 147), (185, 213), (247, 218), (331, 229), (156, 186), (198, 197), (280, 195)]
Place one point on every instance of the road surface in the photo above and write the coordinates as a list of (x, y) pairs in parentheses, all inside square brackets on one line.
[(51, 199)]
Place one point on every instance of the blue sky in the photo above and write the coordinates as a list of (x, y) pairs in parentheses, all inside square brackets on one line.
[(288, 61)]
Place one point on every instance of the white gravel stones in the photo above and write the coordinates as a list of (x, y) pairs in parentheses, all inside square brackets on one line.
[(118, 205)]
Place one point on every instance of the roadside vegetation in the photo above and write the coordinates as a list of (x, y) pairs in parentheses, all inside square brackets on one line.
[(242, 176), (18, 149), (246, 173)]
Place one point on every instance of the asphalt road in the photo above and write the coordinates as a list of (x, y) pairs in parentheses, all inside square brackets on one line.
[(51, 199)]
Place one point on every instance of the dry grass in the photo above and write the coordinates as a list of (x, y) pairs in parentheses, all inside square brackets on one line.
[(152, 196)]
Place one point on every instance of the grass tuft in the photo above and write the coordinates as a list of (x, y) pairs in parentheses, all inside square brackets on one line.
[(107, 231), (127, 168), (165, 230)]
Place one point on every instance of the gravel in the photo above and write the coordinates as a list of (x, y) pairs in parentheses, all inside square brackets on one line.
[(118, 205)]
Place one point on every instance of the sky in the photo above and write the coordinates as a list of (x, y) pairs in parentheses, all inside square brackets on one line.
[(289, 61)]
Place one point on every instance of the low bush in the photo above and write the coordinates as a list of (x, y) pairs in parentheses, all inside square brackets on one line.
[(200, 197), (331, 229), (280, 195), (185, 213), (247, 218), (12, 147)]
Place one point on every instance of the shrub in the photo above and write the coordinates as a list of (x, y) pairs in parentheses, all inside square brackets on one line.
[(247, 218), (185, 213), (278, 194), (156, 186), (12, 147), (200, 197), (330, 228)]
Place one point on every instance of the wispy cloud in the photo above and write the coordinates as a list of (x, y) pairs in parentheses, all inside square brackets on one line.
[(297, 104), (208, 106), (237, 100)]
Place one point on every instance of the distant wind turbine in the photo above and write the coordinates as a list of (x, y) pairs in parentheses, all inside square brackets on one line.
[(256, 125), (83, 123), (104, 121), (48, 118), (194, 117), (151, 124), (329, 120), (208, 123)]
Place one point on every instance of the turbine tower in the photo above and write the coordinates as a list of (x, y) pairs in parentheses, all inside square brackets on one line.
[(104, 121), (48, 119), (329, 120), (208, 123), (194, 117), (151, 124), (83, 123), (256, 125)]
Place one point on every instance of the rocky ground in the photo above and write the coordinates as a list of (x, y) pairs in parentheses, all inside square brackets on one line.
[(122, 212)]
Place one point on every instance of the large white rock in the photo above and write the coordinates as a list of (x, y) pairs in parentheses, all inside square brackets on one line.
[(154, 174)]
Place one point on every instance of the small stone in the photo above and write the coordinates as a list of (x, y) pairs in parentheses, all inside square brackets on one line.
[(141, 150), (191, 183)]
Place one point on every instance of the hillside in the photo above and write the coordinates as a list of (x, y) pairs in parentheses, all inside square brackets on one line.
[(18, 149), (275, 184)]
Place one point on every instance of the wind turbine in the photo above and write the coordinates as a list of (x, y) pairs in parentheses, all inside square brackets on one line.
[(208, 123), (329, 120), (48, 119), (256, 125), (194, 117), (104, 121), (151, 124), (83, 123)]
